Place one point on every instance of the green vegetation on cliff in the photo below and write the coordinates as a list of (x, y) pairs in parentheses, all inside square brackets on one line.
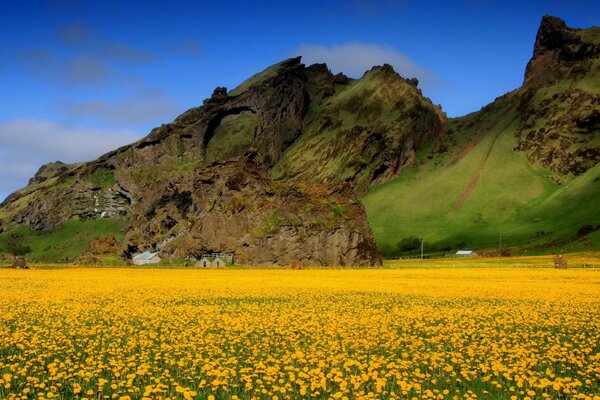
[(364, 133), (66, 242), (479, 192), (232, 138)]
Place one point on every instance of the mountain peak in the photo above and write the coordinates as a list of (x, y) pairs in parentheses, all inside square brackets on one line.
[(385, 70), (557, 47)]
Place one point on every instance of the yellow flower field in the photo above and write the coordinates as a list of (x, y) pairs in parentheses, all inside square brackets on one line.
[(446, 333)]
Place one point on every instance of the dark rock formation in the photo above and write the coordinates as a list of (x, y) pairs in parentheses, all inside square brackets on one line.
[(19, 262), (49, 171), (234, 206), (558, 102), (556, 47)]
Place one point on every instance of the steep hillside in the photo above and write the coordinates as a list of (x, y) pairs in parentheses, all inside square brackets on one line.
[(522, 173), (364, 131)]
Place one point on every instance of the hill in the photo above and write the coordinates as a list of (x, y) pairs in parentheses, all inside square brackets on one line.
[(252, 195), (275, 170), (523, 170)]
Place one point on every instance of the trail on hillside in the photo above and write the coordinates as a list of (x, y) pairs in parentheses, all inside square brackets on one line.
[(477, 175), (479, 137)]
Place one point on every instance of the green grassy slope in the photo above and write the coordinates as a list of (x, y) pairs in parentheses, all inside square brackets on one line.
[(232, 138), (65, 243), (525, 168), (469, 199), (363, 125)]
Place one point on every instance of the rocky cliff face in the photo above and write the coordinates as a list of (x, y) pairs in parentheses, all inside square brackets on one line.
[(560, 52), (234, 206), (304, 126), (560, 99)]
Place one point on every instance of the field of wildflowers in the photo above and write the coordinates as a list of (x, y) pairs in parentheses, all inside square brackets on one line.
[(444, 333)]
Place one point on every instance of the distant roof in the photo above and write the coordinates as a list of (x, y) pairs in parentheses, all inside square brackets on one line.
[(145, 256), (464, 252)]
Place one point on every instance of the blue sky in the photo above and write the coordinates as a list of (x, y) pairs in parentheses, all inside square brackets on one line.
[(79, 78)]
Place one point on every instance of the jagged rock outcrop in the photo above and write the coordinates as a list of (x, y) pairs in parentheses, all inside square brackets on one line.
[(558, 49), (234, 206), (364, 133), (559, 102), (49, 171)]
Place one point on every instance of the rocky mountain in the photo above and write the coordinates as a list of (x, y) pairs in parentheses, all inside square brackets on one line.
[(235, 206), (308, 131), (559, 102), (273, 169)]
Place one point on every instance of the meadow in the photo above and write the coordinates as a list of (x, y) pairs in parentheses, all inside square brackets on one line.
[(408, 333)]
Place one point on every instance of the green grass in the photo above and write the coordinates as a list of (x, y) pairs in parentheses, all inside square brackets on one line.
[(590, 35), (102, 177), (186, 165), (232, 138), (66, 242), (271, 223), (256, 79), (511, 198)]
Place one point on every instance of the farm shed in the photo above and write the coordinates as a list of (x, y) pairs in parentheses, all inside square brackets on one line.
[(218, 262), (204, 262), (467, 253), (146, 258)]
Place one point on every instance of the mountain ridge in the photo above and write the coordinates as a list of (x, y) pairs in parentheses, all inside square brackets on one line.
[(306, 126), (524, 168)]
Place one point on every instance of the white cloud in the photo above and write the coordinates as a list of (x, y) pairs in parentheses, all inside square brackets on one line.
[(354, 58), (26, 144)]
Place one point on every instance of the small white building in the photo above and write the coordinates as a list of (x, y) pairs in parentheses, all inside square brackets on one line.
[(217, 262), (146, 258), (467, 253), (204, 262)]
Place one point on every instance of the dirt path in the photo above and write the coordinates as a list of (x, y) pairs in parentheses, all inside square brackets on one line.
[(479, 137), (477, 175)]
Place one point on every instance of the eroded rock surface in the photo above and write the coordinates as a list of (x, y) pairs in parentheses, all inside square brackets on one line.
[(234, 206)]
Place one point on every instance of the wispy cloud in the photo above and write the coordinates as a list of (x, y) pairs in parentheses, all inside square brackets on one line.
[(75, 35), (188, 47), (85, 39), (87, 59), (145, 106), (83, 70), (35, 56), (26, 144), (121, 52), (355, 58)]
